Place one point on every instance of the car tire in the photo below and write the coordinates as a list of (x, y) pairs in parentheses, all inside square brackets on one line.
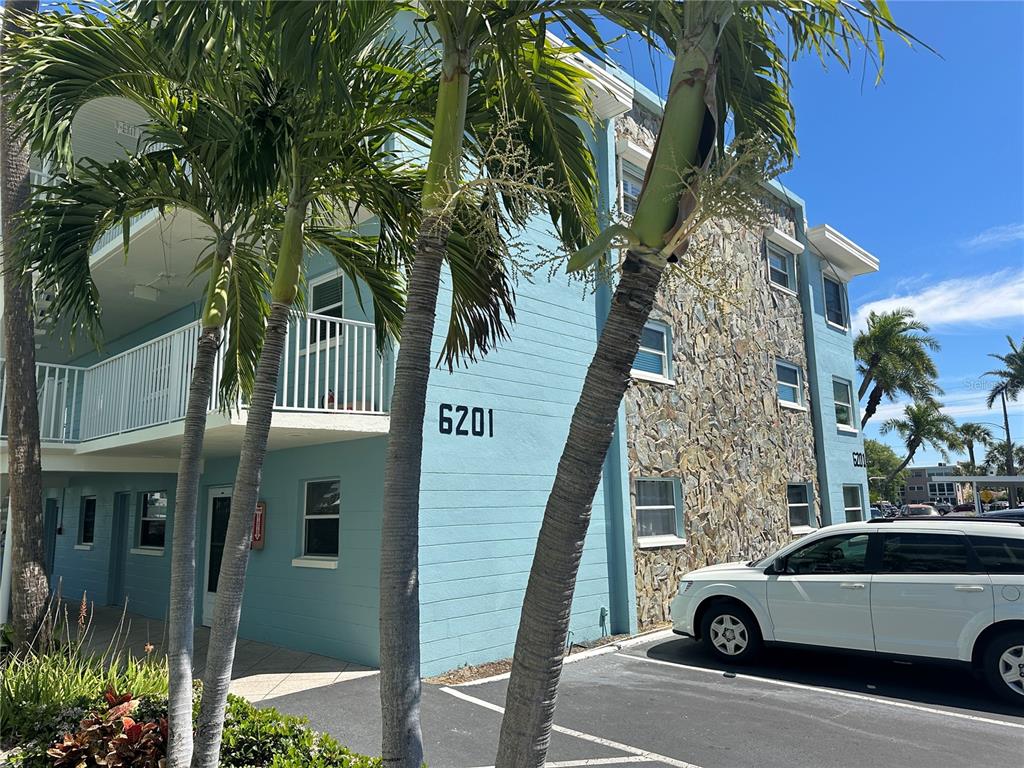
[(731, 632), (1003, 665)]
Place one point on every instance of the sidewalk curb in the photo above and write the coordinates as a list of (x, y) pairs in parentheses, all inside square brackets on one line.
[(643, 637)]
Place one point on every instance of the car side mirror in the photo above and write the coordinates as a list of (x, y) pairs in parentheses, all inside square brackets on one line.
[(779, 565)]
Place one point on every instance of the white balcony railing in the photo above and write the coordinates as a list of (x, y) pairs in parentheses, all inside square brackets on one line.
[(59, 389), (330, 365)]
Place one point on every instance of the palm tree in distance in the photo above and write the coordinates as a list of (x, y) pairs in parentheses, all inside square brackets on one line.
[(894, 358), (972, 434), (922, 425)]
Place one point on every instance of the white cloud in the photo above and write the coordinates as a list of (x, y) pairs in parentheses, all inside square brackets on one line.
[(960, 301), (962, 405), (993, 236)]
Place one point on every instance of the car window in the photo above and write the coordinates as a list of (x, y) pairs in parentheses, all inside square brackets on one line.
[(999, 554), (924, 553), (835, 554)]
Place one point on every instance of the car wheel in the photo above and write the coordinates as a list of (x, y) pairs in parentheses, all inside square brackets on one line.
[(1003, 665), (731, 632)]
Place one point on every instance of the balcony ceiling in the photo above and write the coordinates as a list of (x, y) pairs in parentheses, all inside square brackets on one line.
[(161, 255)]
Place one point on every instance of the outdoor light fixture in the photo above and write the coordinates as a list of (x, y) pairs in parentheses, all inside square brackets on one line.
[(145, 292)]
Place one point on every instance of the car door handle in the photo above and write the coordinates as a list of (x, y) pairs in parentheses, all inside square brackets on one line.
[(969, 588), (852, 585)]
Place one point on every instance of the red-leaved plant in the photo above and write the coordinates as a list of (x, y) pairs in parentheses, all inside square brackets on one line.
[(114, 740)]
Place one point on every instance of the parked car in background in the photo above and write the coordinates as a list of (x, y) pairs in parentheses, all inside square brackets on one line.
[(918, 510), (967, 508), (943, 507), (875, 512), (1005, 514), (998, 505), (939, 589)]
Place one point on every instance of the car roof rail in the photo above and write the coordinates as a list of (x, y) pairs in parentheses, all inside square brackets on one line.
[(961, 518)]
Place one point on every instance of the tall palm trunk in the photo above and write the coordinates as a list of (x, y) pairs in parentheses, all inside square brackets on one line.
[(544, 623), (401, 737), (181, 619), (911, 450), (231, 582), (869, 376), (1011, 492), (540, 644), (970, 452), (872, 405), (29, 585)]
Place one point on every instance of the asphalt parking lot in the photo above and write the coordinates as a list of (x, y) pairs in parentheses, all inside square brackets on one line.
[(666, 703)]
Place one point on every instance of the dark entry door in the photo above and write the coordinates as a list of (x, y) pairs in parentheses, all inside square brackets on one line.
[(220, 507)]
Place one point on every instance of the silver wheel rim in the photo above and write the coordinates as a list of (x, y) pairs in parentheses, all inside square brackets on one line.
[(729, 635), (1011, 668)]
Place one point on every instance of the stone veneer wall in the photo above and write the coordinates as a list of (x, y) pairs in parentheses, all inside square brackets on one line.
[(720, 428)]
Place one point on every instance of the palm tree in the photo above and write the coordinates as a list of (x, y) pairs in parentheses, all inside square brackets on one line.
[(1008, 387), (893, 357), (971, 434), (494, 57), (29, 584), (726, 63), (922, 424)]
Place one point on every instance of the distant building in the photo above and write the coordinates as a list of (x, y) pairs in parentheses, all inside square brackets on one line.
[(921, 487)]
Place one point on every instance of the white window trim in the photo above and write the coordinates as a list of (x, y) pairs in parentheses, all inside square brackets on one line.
[(843, 297), (853, 410), (662, 539), (860, 502), (309, 561), (142, 548), (326, 277), (791, 267), (305, 498), (620, 170), (799, 405), (149, 551), (784, 241), (648, 376), (801, 530), (83, 547), (810, 509)]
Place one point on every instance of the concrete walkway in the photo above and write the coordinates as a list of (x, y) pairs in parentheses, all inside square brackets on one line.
[(260, 670)]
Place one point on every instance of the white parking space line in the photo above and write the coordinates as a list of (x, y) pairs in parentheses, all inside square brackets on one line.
[(596, 762), (635, 751), (830, 692)]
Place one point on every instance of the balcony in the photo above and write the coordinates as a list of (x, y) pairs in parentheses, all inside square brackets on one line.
[(333, 386)]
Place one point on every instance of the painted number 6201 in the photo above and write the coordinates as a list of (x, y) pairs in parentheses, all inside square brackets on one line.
[(462, 420)]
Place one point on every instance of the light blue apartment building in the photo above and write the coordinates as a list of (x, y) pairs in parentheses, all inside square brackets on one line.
[(111, 423)]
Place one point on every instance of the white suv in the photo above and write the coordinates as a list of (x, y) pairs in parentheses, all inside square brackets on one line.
[(927, 587)]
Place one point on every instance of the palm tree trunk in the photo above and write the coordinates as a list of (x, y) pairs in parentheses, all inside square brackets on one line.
[(540, 644), (231, 582), (911, 450), (29, 584), (872, 405), (401, 735), (544, 623), (181, 618), (869, 375), (1011, 492), (970, 453)]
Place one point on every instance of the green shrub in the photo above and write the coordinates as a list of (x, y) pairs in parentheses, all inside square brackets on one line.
[(38, 688), (265, 737)]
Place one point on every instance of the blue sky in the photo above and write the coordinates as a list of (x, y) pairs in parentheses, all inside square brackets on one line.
[(925, 171)]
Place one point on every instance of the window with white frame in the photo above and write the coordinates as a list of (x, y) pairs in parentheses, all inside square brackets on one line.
[(152, 519), (327, 299), (321, 518), (653, 355), (631, 182), (789, 383), (658, 508), (798, 499), (835, 302), (842, 394), (87, 520), (852, 503), (781, 266)]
